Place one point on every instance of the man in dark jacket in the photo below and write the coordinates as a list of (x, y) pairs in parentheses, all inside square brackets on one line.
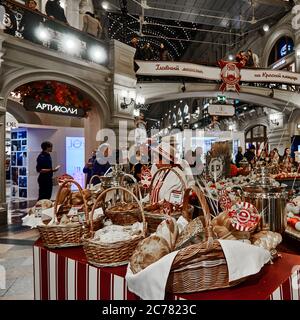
[(88, 168), (55, 11), (31, 21), (239, 157), (250, 154)]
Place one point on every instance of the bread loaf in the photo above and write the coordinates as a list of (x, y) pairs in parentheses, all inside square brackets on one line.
[(168, 229), (193, 233), (147, 252), (64, 193)]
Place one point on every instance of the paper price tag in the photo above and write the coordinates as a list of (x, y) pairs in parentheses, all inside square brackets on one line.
[(176, 197)]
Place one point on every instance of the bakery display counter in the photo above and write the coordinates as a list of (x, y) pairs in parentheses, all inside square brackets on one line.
[(64, 274)]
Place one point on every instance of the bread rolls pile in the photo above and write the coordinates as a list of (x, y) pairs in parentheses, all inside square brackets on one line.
[(267, 239), (115, 233), (223, 229)]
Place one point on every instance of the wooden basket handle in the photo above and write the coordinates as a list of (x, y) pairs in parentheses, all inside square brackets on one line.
[(125, 190), (92, 178), (206, 212), (134, 181), (183, 184), (80, 191)]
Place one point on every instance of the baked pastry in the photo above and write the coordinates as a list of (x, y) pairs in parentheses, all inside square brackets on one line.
[(45, 204), (266, 239), (168, 229), (147, 252), (63, 195), (223, 229), (193, 233)]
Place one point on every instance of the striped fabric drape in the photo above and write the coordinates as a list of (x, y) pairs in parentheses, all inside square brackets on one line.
[(64, 274)]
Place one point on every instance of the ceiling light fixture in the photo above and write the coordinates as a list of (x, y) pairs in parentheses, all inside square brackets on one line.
[(266, 28)]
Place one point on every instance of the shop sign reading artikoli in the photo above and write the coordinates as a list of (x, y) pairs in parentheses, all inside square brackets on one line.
[(52, 108)]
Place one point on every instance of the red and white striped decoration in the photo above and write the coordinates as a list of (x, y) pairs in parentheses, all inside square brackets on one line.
[(244, 216), (59, 277), (225, 202), (289, 290)]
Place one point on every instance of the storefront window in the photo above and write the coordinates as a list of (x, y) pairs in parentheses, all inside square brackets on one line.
[(257, 136), (283, 47)]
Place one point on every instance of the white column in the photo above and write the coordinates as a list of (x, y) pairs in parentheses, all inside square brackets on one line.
[(3, 213), (72, 12)]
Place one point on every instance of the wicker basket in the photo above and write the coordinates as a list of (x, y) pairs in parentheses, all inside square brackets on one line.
[(154, 219), (130, 216), (61, 236), (112, 254), (202, 266)]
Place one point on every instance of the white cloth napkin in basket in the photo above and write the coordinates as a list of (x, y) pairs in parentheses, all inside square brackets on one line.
[(243, 259), (150, 283)]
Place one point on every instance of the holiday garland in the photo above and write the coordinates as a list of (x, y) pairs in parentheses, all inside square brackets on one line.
[(53, 91)]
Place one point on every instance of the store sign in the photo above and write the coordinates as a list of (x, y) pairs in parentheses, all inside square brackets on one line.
[(178, 69), (47, 107), (224, 110), (11, 121)]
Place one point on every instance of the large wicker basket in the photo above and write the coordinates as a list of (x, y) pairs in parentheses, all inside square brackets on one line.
[(112, 254), (154, 219), (61, 236), (130, 216), (201, 266)]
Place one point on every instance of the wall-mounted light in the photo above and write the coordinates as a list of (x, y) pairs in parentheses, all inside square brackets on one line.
[(128, 99), (298, 126), (98, 54), (274, 119)]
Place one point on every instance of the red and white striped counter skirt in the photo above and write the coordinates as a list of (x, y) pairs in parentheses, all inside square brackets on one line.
[(64, 274)]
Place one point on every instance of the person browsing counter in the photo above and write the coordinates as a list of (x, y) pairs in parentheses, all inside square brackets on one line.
[(167, 181), (45, 170), (88, 168)]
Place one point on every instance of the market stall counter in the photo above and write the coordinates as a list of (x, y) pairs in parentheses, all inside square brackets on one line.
[(64, 274)]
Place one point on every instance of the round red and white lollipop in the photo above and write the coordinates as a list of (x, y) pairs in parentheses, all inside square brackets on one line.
[(244, 216), (225, 202)]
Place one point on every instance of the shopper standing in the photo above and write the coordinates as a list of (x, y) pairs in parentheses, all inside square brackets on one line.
[(164, 53), (88, 168), (31, 21), (45, 170), (91, 25), (239, 156), (250, 155), (55, 11)]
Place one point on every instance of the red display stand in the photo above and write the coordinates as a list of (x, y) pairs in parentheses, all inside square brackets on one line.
[(64, 274)]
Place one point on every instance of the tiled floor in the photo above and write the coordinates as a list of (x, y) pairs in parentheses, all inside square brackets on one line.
[(16, 255)]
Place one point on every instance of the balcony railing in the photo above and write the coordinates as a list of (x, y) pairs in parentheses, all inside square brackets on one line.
[(21, 22)]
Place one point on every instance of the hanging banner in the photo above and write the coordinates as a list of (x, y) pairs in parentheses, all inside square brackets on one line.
[(182, 69)]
